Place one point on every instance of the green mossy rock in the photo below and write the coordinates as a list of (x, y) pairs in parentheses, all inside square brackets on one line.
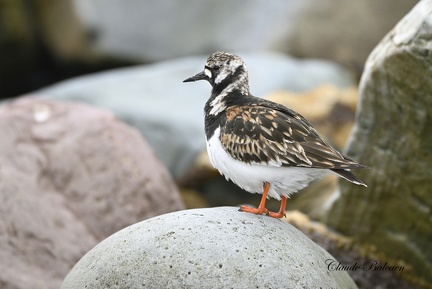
[(393, 135)]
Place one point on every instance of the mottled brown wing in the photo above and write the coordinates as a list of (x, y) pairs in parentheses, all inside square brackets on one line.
[(277, 136)]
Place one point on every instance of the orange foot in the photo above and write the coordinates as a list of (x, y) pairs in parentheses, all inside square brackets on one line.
[(281, 212), (258, 211), (262, 209)]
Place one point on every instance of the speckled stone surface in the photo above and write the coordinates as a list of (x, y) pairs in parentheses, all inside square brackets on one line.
[(207, 248)]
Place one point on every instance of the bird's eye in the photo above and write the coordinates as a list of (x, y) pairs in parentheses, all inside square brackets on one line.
[(216, 67)]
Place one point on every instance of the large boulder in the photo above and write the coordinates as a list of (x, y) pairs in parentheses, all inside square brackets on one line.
[(393, 136), (208, 248), (70, 175)]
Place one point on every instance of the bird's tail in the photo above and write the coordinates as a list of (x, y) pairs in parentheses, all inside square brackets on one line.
[(349, 176)]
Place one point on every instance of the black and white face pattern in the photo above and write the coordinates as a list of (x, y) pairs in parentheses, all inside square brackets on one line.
[(221, 66), (228, 76)]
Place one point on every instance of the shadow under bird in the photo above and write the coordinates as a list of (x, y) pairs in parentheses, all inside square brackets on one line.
[(262, 146)]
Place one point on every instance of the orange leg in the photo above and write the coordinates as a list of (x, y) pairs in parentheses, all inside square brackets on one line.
[(281, 212), (261, 208)]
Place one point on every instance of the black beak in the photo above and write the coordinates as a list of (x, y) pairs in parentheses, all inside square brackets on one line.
[(198, 76)]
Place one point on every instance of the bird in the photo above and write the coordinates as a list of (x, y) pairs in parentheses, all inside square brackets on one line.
[(262, 146)]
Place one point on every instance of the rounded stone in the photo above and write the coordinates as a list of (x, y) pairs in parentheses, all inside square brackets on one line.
[(207, 248)]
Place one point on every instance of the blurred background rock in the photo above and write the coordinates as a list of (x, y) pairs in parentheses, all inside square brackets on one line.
[(44, 41), (306, 54)]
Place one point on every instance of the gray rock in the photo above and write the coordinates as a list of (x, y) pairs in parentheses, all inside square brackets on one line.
[(345, 31), (207, 248), (169, 113), (158, 30), (393, 136), (70, 175)]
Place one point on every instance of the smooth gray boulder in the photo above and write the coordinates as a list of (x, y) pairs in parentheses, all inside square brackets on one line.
[(207, 248), (393, 137)]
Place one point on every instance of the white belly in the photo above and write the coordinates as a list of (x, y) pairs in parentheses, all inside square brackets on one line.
[(284, 181)]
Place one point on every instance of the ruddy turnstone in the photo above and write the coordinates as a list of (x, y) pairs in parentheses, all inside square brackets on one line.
[(262, 146)]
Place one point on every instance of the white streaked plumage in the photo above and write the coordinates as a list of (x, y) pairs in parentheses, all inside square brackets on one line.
[(228, 70), (218, 104), (284, 180)]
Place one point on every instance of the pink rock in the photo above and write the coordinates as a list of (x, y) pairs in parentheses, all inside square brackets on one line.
[(70, 175)]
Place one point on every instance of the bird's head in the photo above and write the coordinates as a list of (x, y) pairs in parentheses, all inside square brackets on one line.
[(222, 68)]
